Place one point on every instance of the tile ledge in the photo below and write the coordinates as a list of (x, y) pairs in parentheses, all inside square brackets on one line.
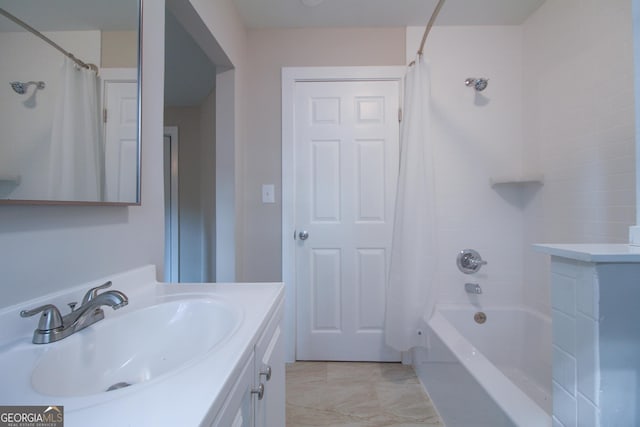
[(634, 235), (596, 253)]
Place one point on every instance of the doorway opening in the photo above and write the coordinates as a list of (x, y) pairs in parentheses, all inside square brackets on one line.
[(197, 225), (339, 158)]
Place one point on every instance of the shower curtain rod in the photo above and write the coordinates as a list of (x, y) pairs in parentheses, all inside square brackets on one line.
[(48, 40), (432, 20)]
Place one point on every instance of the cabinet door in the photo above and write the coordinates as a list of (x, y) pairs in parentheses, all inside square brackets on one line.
[(237, 410), (270, 410)]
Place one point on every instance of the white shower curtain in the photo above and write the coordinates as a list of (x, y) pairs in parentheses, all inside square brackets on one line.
[(77, 152), (411, 285)]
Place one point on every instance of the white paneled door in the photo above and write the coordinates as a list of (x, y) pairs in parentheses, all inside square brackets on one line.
[(121, 140), (346, 165)]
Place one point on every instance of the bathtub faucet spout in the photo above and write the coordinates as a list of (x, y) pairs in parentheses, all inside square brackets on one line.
[(472, 288)]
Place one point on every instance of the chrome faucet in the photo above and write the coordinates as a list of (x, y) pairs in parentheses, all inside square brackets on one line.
[(472, 288), (53, 327)]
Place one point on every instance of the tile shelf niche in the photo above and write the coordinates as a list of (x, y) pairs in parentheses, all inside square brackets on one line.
[(532, 178)]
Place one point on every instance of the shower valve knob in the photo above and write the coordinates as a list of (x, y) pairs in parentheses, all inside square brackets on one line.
[(469, 261)]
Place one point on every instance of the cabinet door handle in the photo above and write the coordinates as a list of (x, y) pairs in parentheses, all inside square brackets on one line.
[(266, 371), (259, 391)]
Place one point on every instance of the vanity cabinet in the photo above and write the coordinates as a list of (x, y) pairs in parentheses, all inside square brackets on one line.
[(237, 410), (257, 398), (270, 374), (222, 338)]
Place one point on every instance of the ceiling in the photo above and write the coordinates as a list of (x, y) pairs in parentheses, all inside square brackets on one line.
[(50, 15), (381, 13)]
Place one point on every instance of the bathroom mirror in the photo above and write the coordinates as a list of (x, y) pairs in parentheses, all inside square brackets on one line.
[(69, 126)]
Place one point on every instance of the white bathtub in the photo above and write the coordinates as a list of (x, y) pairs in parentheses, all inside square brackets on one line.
[(492, 374)]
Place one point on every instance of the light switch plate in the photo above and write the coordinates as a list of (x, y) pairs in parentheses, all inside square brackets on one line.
[(268, 193)]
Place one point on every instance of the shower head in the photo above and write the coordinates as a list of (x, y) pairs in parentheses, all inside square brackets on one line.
[(478, 84), (18, 87), (21, 87)]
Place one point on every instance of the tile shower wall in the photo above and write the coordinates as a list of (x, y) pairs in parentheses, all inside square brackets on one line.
[(476, 136), (559, 103), (596, 347), (576, 369), (578, 107)]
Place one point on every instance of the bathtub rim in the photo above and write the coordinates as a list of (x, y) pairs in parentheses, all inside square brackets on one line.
[(515, 403)]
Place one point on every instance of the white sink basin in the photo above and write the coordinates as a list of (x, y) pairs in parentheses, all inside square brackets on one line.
[(133, 348)]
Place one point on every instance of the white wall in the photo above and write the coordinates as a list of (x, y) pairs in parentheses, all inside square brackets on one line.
[(208, 185), (119, 49), (26, 120), (226, 213), (579, 128), (49, 248), (217, 29), (224, 27), (476, 136)]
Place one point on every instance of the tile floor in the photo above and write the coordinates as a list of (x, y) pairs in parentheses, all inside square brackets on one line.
[(348, 394)]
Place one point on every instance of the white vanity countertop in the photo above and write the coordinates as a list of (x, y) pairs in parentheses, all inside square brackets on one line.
[(597, 253), (184, 397)]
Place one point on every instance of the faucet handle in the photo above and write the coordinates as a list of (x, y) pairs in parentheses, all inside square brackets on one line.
[(469, 261), (50, 318), (93, 292)]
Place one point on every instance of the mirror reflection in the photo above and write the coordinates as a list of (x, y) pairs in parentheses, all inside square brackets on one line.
[(69, 101)]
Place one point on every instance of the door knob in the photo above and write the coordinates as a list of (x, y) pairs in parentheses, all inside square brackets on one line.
[(303, 235)]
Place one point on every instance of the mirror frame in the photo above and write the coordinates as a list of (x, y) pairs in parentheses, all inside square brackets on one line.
[(138, 201)]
